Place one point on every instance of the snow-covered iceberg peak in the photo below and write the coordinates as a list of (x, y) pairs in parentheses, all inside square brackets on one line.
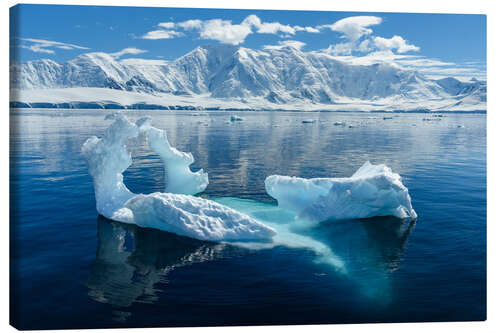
[(373, 190), (181, 214), (107, 159), (178, 176)]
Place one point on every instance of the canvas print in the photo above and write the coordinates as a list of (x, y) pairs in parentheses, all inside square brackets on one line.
[(213, 167)]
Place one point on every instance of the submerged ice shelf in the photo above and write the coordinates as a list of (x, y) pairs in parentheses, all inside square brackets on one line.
[(177, 211), (374, 190)]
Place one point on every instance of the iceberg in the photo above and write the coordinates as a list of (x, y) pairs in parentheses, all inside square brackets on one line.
[(195, 217), (179, 177), (177, 211), (373, 190), (235, 118)]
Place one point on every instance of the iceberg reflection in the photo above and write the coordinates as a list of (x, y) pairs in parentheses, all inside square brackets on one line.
[(372, 249), (366, 251), (130, 260)]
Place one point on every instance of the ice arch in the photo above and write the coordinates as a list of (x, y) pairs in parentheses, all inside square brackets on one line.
[(175, 212), (178, 176)]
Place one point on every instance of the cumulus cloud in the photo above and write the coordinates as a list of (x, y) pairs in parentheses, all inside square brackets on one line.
[(190, 24), (272, 27), (167, 25), (283, 43), (395, 43), (355, 30), (47, 46), (225, 31), (162, 34), (354, 27), (128, 50)]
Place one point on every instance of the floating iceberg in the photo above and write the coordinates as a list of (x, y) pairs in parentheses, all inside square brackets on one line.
[(235, 118), (373, 190), (175, 212)]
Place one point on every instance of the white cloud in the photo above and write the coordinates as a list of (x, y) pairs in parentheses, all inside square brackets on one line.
[(281, 44), (355, 30), (128, 50), (365, 46), (190, 24), (432, 68), (36, 48), (162, 34), (252, 20), (274, 27), (306, 29), (395, 43), (342, 48), (167, 25), (353, 27), (225, 31), (47, 46), (267, 27)]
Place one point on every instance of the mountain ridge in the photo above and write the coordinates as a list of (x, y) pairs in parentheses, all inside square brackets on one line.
[(276, 77)]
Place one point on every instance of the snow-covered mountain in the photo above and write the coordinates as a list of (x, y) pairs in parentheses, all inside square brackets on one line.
[(279, 78)]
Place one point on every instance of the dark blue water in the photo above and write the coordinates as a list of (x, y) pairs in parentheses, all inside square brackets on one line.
[(71, 268)]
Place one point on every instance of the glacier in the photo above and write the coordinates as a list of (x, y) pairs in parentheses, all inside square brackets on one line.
[(182, 214), (373, 190), (224, 76)]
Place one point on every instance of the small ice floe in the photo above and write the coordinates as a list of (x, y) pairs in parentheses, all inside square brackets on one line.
[(308, 121), (387, 117), (352, 126), (373, 190), (460, 126), (236, 118), (339, 123), (199, 114), (431, 119), (438, 115)]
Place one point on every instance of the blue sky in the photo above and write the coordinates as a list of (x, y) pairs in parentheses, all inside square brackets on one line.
[(437, 44)]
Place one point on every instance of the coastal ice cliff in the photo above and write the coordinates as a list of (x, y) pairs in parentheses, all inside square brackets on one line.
[(175, 212), (373, 190)]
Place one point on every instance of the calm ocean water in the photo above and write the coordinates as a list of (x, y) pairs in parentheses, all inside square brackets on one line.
[(71, 268)]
